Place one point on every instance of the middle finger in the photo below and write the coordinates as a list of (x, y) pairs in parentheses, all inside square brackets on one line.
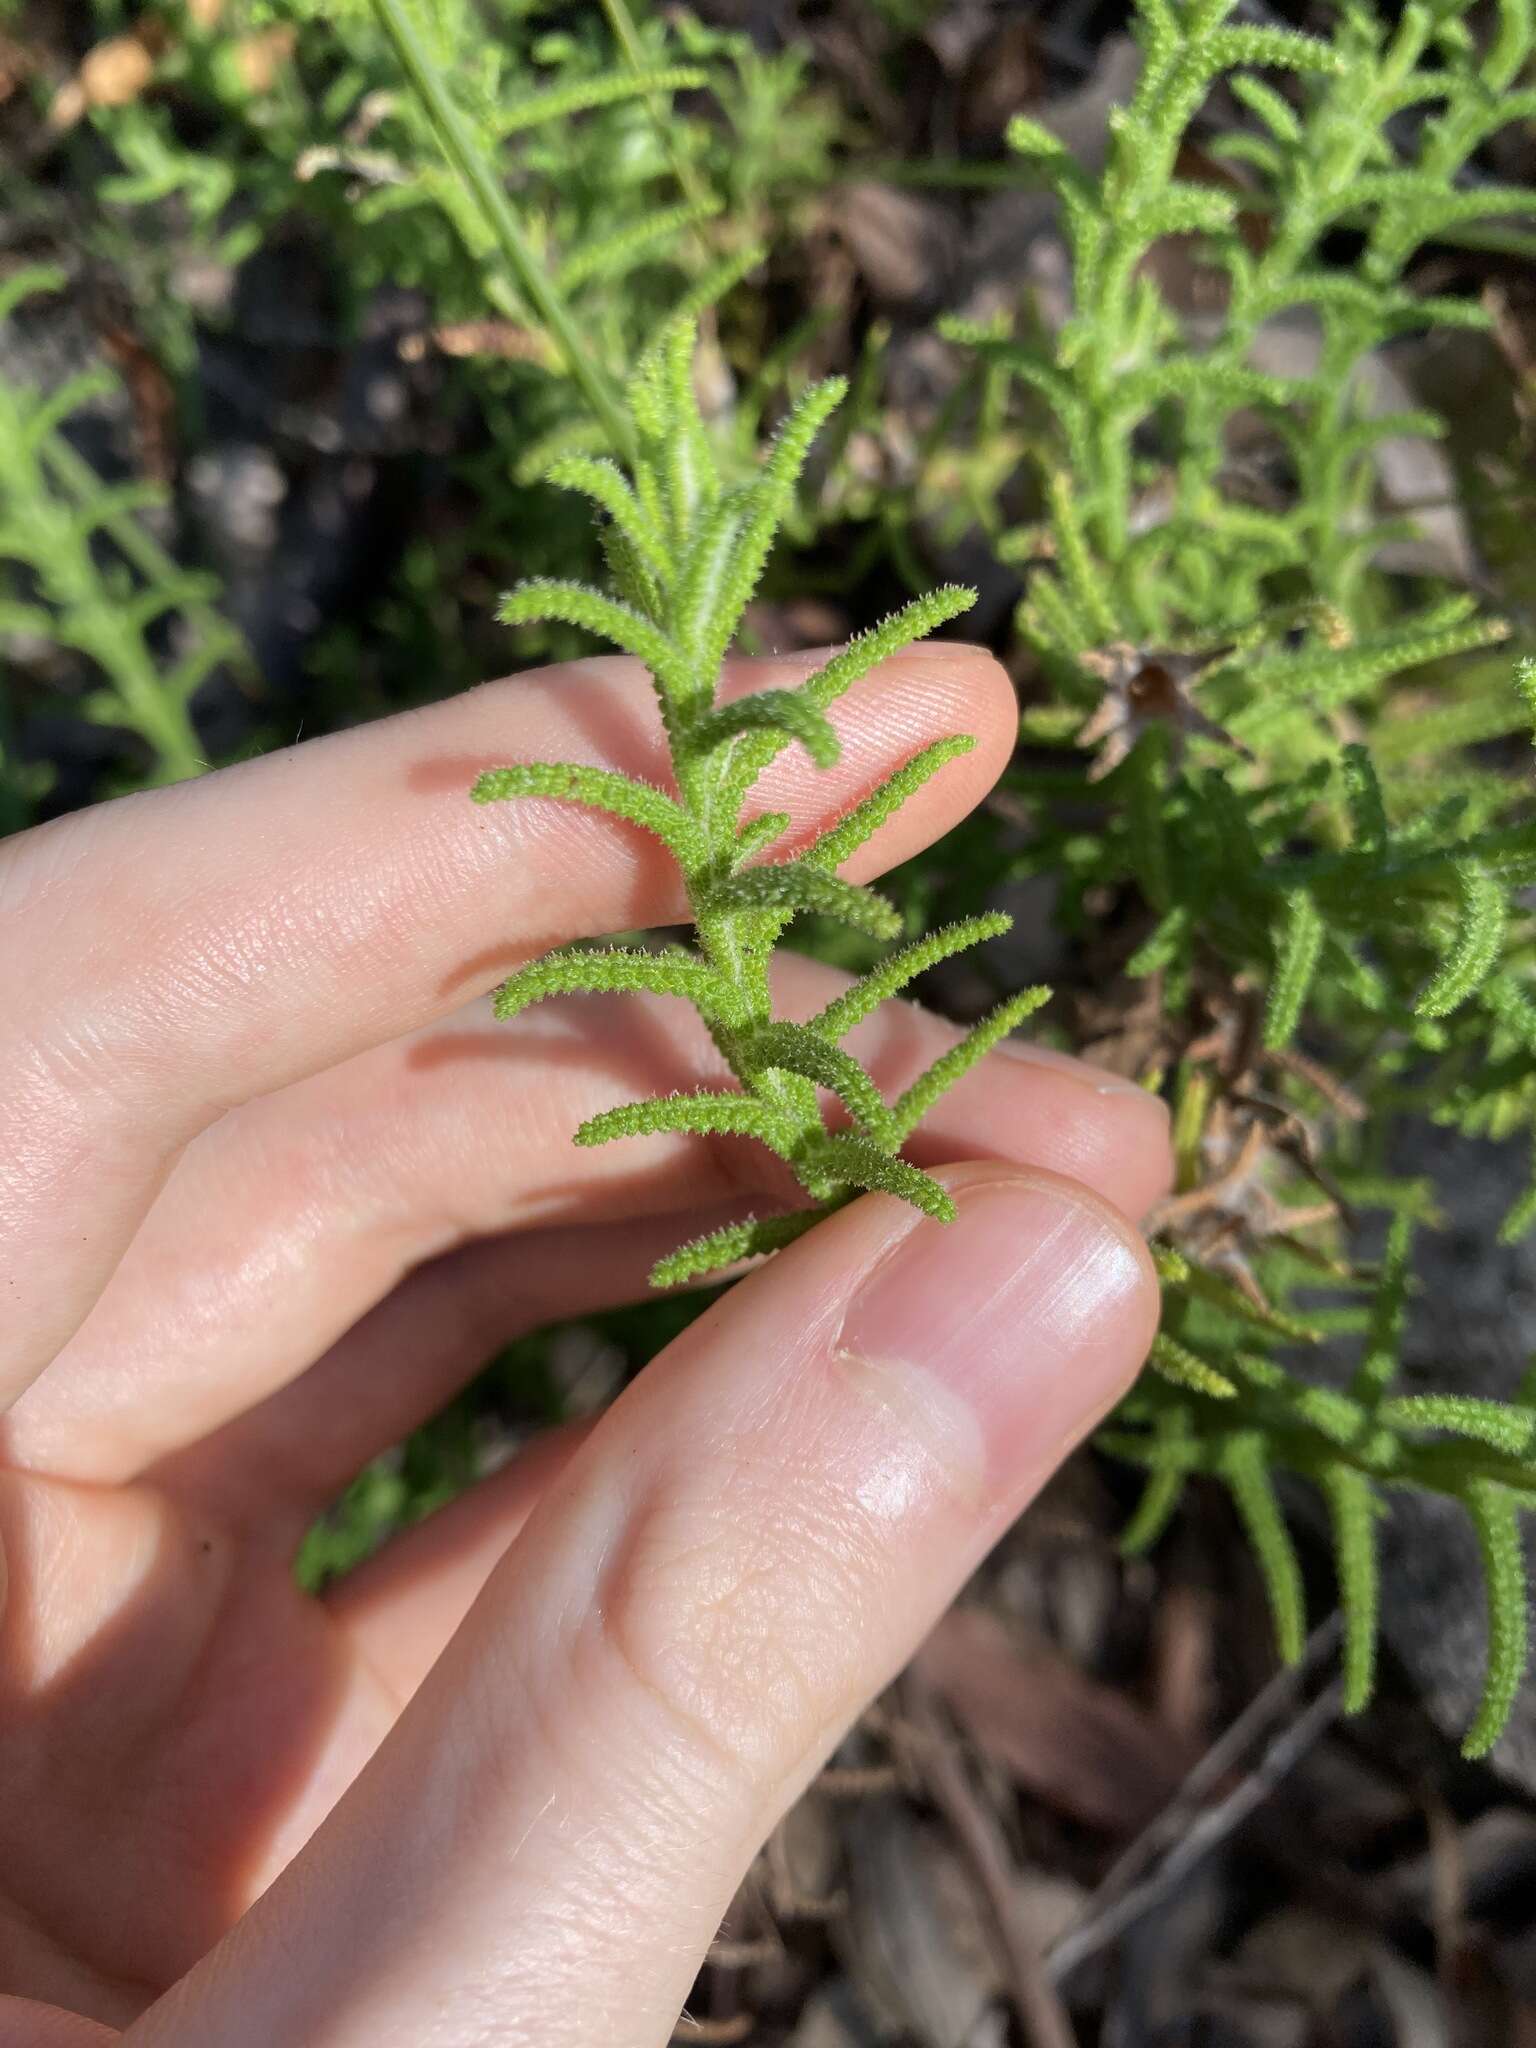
[(298, 1213)]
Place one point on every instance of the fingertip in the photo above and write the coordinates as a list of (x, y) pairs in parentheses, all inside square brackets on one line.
[(929, 691)]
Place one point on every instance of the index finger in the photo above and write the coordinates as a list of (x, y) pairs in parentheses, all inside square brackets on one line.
[(191, 948)]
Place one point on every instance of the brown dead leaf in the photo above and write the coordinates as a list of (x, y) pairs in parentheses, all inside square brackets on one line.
[(152, 396), (259, 58), (1005, 75), (911, 1941), (458, 338), (205, 14), (17, 63), (903, 242), (1077, 1745), (112, 74)]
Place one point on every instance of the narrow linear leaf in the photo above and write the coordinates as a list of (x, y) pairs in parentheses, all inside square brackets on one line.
[(759, 833), (1245, 1468), (1298, 944), (899, 968), (1181, 1367), (1362, 793), (793, 886), (1276, 48), (824, 686), (1389, 1313), (780, 711), (599, 789), (1159, 1503), (604, 482), (1174, 1439), (1479, 940), (575, 605), (708, 1111), (1495, 1513), (727, 1247), (798, 1050), (559, 102), (1508, 1429), (1521, 1218), (770, 500), (865, 819), (609, 971), (1176, 1270), (1168, 938), (849, 1158), (610, 256), (1352, 1506), (915, 621), (914, 1104)]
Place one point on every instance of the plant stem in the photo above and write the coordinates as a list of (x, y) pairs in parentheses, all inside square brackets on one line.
[(627, 36), (481, 182)]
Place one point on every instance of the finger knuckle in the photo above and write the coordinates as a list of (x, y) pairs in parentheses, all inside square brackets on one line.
[(736, 1607)]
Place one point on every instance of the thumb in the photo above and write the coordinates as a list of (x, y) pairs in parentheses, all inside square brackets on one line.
[(746, 1549)]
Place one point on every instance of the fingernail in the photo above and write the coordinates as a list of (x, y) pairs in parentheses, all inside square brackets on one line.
[(1033, 1308), (1099, 1079)]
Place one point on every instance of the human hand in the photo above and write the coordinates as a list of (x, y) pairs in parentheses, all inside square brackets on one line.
[(272, 1193)]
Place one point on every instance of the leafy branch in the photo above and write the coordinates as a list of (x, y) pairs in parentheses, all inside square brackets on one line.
[(685, 553)]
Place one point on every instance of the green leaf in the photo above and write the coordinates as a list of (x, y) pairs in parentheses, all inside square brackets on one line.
[(617, 970), (1181, 1367), (893, 635), (1389, 1314), (770, 499), (728, 1246), (780, 711), (914, 1104), (796, 1049), (759, 833), (1271, 49), (604, 482), (1245, 1468), (1362, 793), (826, 684), (557, 103), (1508, 1429), (610, 256), (1167, 940), (1479, 940), (1495, 1513), (871, 989), (1352, 1505), (574, 604), (846, 1157), (1298, 944), (707, 1111), (839, 841), (793, 886), (602, 789)]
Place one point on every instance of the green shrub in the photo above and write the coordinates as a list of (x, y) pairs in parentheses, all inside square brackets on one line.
[(1280, 792)]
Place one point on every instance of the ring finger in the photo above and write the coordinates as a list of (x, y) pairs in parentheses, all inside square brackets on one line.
[(298, 1213)]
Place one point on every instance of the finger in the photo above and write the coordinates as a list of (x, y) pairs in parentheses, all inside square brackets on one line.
[(294, 1216), (25, 2024), (743, 1551), (195, 947), (270, 1472), (402, 1607)]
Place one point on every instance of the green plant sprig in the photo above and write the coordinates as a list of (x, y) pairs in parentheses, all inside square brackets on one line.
[(84, 574), (1123, 371), (686, 553), (1238, 1416)]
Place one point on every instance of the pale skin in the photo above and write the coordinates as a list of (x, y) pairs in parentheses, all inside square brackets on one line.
[(275, 1185)]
